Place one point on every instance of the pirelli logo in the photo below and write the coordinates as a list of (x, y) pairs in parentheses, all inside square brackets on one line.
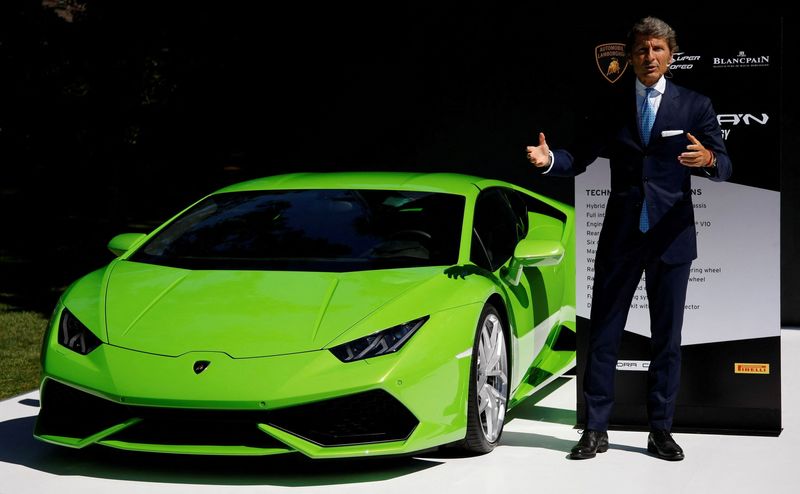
[(743, 368)]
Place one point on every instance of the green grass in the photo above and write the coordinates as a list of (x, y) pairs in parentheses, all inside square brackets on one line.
[(21, 334)]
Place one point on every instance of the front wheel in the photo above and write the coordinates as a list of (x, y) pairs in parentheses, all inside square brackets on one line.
[(488, 384)]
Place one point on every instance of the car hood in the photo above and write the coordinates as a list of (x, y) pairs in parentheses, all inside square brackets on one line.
[(170, 311)]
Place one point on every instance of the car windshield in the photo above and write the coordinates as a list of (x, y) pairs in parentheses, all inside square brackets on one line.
[(312, 230)]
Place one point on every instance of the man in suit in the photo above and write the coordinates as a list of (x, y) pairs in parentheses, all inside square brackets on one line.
[(655, 138)]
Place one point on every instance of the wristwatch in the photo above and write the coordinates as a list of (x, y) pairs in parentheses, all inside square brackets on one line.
[(713, 163)]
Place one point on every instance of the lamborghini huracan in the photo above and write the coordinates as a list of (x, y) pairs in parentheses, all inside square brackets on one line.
[(328, 314)]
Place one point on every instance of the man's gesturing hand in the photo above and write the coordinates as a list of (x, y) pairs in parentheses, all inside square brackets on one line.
[(539, 155), (696, 155)]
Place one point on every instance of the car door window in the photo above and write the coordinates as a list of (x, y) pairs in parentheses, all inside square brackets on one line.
[(495, 230), (520, 211)]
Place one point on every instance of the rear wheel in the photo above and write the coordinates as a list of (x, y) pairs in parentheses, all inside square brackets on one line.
[(488, 386)]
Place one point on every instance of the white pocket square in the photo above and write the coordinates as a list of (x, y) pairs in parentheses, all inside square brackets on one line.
[(670, 133)]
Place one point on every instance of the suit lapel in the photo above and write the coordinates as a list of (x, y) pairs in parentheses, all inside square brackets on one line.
[(667, 109)]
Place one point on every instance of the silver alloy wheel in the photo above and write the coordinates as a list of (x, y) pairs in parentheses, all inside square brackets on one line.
[(492, 377)]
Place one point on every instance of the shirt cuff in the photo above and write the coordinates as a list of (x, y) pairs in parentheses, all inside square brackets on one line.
[(552, 161)]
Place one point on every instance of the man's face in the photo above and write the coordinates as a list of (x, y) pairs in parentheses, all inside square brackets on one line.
[(650, 58)]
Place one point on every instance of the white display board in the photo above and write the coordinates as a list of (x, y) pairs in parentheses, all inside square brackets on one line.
[(734, 286)]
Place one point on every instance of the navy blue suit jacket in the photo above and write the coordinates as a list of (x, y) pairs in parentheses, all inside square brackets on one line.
[(652, 173)]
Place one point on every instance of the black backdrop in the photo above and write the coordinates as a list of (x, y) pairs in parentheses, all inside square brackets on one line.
[(115, 115)]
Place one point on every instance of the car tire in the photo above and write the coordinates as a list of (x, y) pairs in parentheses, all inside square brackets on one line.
[(488, 384)]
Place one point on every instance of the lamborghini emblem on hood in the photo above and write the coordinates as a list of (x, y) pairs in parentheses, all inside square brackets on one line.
[(200, 366)]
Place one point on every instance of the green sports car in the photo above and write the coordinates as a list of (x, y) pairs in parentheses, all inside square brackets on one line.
[(331, 314)]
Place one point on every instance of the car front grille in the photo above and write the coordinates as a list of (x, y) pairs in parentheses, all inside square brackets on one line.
[(368, 417)]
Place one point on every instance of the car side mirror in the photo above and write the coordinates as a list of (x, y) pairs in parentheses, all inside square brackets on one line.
[(123, 242), (533, 253)]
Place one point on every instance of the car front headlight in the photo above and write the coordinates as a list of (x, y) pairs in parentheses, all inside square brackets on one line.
[(378, 343), (74, 335)]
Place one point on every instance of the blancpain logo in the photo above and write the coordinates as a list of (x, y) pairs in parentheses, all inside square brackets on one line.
[(741, 60), (682, 61)]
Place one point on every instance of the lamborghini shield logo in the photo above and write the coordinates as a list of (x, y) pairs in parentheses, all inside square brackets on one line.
[(611, 60)]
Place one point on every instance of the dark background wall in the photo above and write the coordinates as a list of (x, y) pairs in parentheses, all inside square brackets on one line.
[(115, 115)]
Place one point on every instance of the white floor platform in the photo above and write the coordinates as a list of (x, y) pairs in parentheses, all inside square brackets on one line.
[(531, 458)]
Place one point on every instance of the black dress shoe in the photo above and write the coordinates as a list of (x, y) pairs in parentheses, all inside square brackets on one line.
[(661, 444), (591, 443)]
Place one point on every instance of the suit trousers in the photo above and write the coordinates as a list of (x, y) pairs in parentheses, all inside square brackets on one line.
[(615, 283)]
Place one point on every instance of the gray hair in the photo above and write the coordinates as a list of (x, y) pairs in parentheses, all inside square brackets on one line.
[(651, 27)]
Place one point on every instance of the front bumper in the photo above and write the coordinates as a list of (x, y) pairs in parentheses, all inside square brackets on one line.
[(306, 402)]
